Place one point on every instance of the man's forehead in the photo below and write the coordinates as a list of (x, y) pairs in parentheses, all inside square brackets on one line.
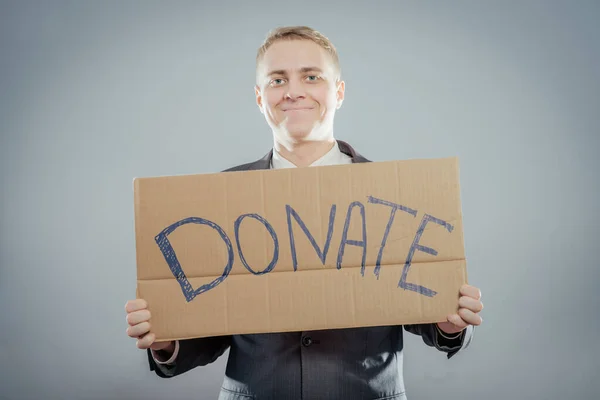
[(295, 56)]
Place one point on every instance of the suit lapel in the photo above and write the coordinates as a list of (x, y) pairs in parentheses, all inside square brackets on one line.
[(349, 150)]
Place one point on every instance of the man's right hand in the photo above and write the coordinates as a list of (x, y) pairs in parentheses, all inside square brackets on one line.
[(138, 318)]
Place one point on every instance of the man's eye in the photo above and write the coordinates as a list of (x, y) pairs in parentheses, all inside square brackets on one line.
[(312, 77), (277, 81)]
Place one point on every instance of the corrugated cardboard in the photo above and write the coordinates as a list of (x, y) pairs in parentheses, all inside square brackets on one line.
[(300, 249)]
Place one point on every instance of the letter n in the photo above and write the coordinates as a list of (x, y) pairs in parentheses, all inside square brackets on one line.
[(322, 254)]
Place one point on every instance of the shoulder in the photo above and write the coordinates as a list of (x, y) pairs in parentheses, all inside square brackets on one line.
[(351, 152), (263, 163), (242, 167)]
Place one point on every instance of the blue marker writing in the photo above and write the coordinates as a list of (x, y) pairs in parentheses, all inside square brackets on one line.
[(360, 243), (394, 207), (171, 258), (322, 254), (416, 246), (271, 231)]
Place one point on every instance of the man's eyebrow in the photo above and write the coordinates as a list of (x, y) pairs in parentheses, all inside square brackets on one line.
[(276, 72), (304, 69), (310, 69)]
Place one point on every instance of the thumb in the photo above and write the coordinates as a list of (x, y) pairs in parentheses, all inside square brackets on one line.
[(161, 345)]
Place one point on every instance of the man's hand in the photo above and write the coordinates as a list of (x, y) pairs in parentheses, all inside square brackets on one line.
[(138, 318), (469, 305)]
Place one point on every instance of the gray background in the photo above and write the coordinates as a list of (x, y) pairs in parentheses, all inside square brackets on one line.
[(93, 94)]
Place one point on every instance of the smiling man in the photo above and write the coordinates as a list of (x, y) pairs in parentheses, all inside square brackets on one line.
[(299, 89)]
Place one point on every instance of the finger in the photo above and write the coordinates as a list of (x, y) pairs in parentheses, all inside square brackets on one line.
[(138, 330), (135, 305), (144, 342), (457, 321), (470, 304), (470, 317), (137, 317), (470, 291)]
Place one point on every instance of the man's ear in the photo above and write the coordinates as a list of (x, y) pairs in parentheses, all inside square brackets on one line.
[(258, 98), (341, 91)]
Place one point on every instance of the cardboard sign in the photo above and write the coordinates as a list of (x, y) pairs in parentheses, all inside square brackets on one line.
[(300, 249)]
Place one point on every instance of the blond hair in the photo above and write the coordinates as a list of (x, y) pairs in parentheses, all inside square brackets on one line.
[(299, 33)]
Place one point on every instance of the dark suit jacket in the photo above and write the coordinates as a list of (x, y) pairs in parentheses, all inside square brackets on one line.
[(348, 364)]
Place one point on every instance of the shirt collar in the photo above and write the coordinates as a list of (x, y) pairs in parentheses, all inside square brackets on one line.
[(332, 157)]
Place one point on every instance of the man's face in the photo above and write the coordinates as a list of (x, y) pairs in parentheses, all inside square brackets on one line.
[(297, 90)]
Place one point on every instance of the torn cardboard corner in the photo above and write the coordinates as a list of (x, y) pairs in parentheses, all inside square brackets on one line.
[(300, 249)]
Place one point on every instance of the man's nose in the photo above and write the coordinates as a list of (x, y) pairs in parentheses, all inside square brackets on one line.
[(295, 90)]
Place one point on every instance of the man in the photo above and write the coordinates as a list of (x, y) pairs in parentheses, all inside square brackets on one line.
[(298, 90)]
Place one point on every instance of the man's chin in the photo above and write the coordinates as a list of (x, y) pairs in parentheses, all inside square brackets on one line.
[(299, 135), (302, 133)]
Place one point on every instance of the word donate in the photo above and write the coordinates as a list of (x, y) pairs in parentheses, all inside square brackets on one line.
[(300, 249), (190, 293)]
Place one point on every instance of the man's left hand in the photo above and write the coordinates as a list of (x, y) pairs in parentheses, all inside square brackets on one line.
[(470, 305)]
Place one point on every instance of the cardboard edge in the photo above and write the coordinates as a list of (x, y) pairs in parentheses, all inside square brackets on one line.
[(457, 168), (136, 230)]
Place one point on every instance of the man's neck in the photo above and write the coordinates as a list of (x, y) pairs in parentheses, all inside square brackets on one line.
[(304, 154)]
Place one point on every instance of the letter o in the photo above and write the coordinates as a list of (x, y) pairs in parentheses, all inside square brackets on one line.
[(270, 229)]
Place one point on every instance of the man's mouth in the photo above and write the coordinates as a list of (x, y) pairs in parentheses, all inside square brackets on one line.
[(298, 109)]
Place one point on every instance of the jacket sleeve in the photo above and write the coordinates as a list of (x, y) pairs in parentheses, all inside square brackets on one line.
[(192, 353), (431, 336)]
